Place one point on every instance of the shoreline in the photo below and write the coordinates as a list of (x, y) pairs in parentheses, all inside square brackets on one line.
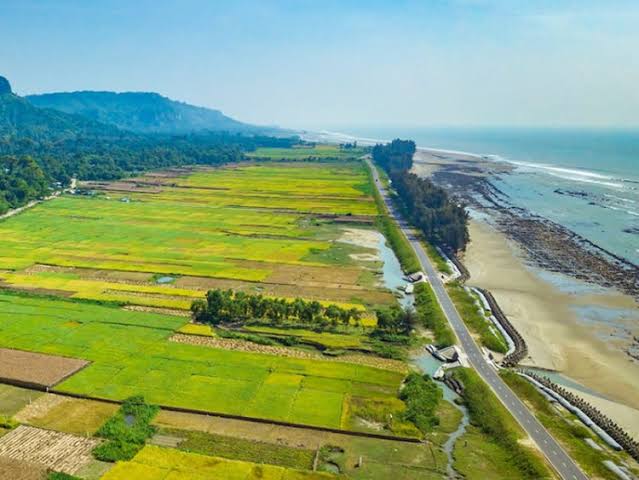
[(544, 315), (556, 290)]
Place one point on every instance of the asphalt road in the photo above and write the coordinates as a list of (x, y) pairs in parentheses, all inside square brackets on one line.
[(562, 463)]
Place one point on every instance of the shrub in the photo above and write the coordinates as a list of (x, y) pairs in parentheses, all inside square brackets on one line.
[(421, 396), (61, 476), (126, 431)]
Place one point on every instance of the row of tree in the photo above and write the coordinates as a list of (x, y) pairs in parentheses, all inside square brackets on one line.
[(442, 221), (228, 306), (396, 155)]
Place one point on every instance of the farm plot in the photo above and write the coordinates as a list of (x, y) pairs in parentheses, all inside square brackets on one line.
[(29, 368), (19, 470), (64, 414), (131, 354), (58, 451), (266, 227), (159, 463)]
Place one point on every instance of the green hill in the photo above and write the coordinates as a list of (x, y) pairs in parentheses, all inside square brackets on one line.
[(141, 112)]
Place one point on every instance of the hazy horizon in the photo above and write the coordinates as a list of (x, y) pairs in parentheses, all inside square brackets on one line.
[(458, 63)]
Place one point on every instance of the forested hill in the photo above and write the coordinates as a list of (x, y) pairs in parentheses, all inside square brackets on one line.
[(20, 120), (41, 147), (142, 112)]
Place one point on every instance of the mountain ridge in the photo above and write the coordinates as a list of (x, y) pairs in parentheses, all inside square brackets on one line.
[(141, 112)]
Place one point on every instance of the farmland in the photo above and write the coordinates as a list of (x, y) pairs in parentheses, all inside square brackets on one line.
[(163, 463), (266, 228), (99, 285), (301, 152), (131, 354)]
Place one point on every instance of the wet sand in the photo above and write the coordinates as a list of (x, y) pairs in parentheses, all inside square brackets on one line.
[(544, 317)]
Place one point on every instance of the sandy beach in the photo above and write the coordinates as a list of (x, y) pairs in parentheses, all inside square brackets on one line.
[(544, 316)]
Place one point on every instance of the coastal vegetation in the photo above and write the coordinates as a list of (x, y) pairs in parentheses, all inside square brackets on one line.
[(442, 221), (491, 418), (431, 316), (567, 429), (474, 316)]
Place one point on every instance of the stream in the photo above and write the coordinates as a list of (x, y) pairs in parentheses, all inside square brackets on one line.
[(429, 365), (393, 277)]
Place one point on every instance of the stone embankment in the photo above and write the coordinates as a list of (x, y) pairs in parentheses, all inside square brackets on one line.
[(521, 349), (602, 421)]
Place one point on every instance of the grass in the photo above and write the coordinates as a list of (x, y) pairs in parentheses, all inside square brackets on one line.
[(131, 354), (156, 463), (321, 339), (478, 457), (197, 329), (500, 432), (243, 223), (436, 258), (475, 318), (431, 315), (566, 429), (241, 449)]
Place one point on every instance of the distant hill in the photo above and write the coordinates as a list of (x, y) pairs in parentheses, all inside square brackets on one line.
[(21, 120), (142, 112)]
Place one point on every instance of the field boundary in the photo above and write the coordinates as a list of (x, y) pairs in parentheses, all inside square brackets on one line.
[(168, 408)]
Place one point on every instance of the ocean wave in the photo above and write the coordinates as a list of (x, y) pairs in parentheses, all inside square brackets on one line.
[(621, 199)]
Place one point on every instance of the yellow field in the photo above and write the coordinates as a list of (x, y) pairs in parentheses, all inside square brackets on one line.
[(260, 226), (157, 463)]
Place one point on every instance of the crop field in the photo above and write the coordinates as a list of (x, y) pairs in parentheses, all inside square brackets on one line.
[(58, 451), (302, 152), (265, 228), (64, 414), (157, 463), (36, 369), (130, 354)]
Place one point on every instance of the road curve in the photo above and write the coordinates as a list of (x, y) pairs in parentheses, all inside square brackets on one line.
[(558, 458)]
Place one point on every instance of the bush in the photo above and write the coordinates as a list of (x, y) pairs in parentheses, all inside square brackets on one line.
[(421, 396), (126, 431), (7, 423), (61, 476)]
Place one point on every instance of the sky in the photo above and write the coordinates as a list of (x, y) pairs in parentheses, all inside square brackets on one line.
[(330, 64)]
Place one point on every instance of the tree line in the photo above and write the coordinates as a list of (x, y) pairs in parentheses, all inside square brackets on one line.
[(442, 220), (21, 180), (228, 306)]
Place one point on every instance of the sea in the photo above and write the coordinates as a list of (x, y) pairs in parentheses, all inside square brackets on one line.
[(584, 179)]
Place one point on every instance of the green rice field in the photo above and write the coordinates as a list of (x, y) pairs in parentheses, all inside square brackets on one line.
[(131, 354), (264, 228)]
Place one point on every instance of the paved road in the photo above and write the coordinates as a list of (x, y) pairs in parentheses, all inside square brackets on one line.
[(559, 459)]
